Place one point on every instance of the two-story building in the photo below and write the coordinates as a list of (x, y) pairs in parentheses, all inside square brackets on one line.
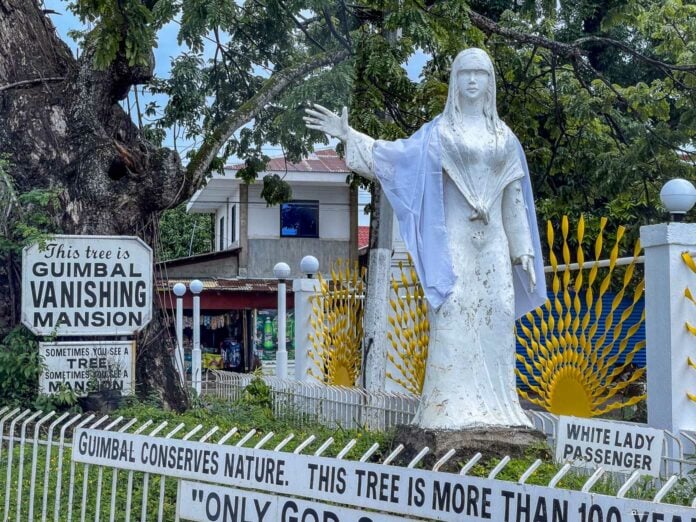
[(320, 219), (239, 298)]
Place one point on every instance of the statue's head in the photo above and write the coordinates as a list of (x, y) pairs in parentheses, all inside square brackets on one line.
[(472, 81)]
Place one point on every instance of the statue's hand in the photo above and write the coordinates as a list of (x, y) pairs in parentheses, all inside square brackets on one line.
[(322, 119), (527, 263)]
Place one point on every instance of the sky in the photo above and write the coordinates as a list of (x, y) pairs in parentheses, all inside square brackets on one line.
[(166, 51)]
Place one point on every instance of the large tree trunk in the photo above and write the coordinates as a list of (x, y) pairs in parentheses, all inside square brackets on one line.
[(63, 129)]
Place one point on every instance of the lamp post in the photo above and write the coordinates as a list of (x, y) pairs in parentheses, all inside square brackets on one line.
[(281, 272), (196, 288), (678, 196), (179, 291)]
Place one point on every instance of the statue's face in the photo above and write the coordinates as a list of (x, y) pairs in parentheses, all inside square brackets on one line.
[(472, 79)]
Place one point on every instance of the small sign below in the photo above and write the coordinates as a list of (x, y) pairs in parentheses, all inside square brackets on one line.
[(209, 503), (87, 366), (87, 285), (616, 446)]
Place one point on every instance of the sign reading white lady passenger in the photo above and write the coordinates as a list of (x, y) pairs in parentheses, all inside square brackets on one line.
[(616, 446), (87, 285)]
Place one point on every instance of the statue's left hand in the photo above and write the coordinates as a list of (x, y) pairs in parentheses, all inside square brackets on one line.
[(527, 263), (322, 119)]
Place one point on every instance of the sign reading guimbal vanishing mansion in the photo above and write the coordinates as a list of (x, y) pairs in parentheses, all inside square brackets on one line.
[(87, 285)]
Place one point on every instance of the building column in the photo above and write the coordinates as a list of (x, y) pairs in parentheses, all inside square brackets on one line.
[(670, 345), (243, 230), (353, 224)]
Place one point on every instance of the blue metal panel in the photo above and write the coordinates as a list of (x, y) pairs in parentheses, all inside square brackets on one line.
[(638, 359)]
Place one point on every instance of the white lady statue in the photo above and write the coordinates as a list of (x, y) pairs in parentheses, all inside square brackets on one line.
[(461, 192)]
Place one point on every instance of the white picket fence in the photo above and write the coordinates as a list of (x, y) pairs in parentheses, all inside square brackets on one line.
[(302, 402), (348, 407), (40, 481)]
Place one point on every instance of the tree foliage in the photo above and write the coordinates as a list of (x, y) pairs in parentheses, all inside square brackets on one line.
[(600, 92), (182, 234)]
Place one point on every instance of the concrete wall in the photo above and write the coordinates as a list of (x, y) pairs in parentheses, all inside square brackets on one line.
[(334, 211), (226, 267), (225, 210), (265, 253)]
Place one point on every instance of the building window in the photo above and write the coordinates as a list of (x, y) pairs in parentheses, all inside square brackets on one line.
[(233, 224), (299, 219), (222, 233)]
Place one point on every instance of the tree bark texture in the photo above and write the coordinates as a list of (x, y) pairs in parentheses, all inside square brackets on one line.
[(63, 129)]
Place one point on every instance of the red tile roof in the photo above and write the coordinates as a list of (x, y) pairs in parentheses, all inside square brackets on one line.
[(227, 285), (363, 237), (321, 161)]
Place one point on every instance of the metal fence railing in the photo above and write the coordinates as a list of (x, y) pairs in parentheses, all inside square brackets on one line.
[(306, 402), (40, 480), (301, 402)]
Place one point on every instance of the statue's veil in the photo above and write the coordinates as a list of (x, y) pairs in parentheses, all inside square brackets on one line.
[(403, 168), (468, 59)]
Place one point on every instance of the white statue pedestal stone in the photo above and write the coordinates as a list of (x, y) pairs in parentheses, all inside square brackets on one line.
[(669, 343)]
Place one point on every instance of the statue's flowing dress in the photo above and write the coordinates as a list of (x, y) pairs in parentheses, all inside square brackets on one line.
[(469, 379)]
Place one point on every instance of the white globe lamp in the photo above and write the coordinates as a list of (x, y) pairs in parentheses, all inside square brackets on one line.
[(309, 266), (196, 286), (678, 196), (281, 270)]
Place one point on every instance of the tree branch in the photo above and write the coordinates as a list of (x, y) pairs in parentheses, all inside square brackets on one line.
[(301, 26), (342, 40), (652, 61), (275, 85), (569, 50), (27, 83)]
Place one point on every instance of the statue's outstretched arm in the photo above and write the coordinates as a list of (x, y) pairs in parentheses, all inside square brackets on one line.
[(358, 145)]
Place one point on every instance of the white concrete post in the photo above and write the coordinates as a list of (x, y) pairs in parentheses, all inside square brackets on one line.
[(303, 291), (669, 344), (281, 353), (179, 291), (282, 272), (196, 369)]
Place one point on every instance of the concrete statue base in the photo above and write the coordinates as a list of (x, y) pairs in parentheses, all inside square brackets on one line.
[(491, 442)]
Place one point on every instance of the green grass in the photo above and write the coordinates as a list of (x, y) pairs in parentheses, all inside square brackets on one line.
[(251, 413)]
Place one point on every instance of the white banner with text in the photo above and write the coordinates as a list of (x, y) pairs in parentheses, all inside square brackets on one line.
[(390, 489), (209, 503)]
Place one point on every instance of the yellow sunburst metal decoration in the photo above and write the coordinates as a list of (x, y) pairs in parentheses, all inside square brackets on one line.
[(689, 261), (570, 368), (337, 318), (410, 330)]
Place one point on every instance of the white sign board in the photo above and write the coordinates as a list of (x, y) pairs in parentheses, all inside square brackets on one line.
[(390, 489), (208, 503), (87, 366), (615, 446), (87, 285)]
